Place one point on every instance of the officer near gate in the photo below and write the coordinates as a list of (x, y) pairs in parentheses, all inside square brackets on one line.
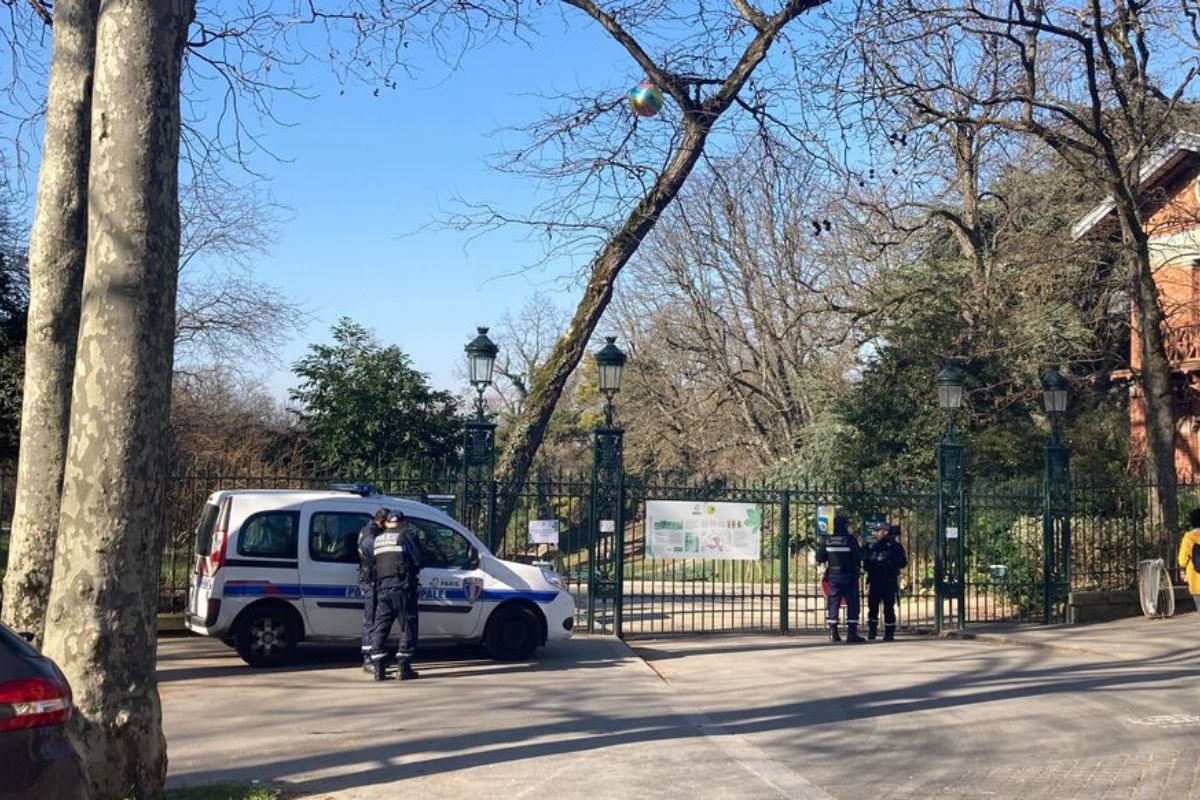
[(398, 560), (840, 551), (366, 579), (884, 561)]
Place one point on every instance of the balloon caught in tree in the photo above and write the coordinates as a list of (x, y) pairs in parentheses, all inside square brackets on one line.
[(645, 99)]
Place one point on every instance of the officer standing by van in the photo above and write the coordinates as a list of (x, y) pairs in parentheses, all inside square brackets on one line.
[(840, 551), (366, 579), (398, 561), (884, 561)]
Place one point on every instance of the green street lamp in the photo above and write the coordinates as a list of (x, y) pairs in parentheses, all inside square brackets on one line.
[(479, 444), (610, 364), (1056, 494), (1054, 396), (481, 360), (949, 555), (950, 394), (606, 545)]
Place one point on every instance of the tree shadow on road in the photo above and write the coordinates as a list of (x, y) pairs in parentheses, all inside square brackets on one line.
[(981, 677), (438, 661)]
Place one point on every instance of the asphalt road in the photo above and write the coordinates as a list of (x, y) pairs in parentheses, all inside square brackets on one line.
[(714, 717), (954, 719)]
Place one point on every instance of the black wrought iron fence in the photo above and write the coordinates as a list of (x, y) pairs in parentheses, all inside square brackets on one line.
[(1111, 528)]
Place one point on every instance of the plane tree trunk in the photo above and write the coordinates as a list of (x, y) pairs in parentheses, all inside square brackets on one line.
[(101, 620), (57, 250)]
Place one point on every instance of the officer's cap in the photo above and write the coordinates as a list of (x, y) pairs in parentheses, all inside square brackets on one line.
[(395, 517), (841, 525), (880, 525), (380, 514)]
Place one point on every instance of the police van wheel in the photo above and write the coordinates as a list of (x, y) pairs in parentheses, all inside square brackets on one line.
[(512, 634), (266, 637)]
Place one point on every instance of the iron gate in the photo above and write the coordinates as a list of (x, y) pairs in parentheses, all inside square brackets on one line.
[(1004, 557)]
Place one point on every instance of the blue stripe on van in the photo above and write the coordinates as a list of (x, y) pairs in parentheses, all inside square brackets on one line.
[(426, 593)]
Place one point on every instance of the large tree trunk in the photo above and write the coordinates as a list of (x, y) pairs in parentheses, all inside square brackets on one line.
[(1157, 393), (548, 382), (699, 118), (100, 626), (57, 249)]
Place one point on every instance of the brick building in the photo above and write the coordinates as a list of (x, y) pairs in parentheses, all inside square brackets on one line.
[(1171, 185)]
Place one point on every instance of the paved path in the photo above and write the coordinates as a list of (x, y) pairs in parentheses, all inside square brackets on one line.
[(1115, 716), (588, 720)]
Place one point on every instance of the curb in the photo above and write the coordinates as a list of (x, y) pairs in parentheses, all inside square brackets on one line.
[(1016, 641), (170, 626)]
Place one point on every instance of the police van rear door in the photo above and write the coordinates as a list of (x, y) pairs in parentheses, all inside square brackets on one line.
[(333, 602), (201, 584)]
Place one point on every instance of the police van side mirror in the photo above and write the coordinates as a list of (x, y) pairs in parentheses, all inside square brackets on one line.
[(472, 559)]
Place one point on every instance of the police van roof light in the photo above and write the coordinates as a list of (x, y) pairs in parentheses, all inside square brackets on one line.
[(361, 489)]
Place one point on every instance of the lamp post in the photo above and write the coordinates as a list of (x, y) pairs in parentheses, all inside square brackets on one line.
[(948, 556), (1056, 495), (605, 561), (479, 437)]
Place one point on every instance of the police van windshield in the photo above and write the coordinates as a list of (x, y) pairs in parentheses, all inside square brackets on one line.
[(444, 548)]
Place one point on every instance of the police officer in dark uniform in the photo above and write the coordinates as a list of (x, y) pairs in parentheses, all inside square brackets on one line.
[(840, 551), (398, 561), (366, 579), (885, 559)]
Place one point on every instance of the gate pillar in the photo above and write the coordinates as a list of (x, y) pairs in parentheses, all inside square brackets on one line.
[(1056, 525), (478, 476), (606, 557), (951, 530)]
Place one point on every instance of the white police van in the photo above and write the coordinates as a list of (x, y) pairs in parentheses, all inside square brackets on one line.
[(275, 567)]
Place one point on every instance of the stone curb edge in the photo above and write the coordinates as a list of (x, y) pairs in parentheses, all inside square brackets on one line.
[(1016, 641)]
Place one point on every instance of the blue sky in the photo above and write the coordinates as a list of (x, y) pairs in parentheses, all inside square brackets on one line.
[(365, 176)]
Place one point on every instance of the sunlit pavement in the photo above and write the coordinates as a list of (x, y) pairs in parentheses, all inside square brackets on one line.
[(1116, 716)]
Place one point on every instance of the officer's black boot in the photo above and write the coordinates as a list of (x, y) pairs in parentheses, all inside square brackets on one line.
[(367, 663), (872, 628), (852, 637), (889, 633), (407, 673), (834, 636), (378, 669)]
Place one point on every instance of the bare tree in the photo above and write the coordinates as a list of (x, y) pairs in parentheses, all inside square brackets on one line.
[(743, 311), (224, 316), (222, 417), (56, 265), (525, 340), (1097, 83), (608, 166), (103, 602)]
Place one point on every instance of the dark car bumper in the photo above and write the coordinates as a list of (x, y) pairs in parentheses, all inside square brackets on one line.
[(38, 764)]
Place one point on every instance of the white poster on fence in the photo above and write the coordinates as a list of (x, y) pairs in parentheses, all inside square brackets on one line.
[(684, 529), (543, 531)]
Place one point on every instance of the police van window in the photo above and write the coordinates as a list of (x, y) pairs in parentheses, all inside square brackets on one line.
[(204, 528), (333, 536), (444, 548), (269, 535)]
